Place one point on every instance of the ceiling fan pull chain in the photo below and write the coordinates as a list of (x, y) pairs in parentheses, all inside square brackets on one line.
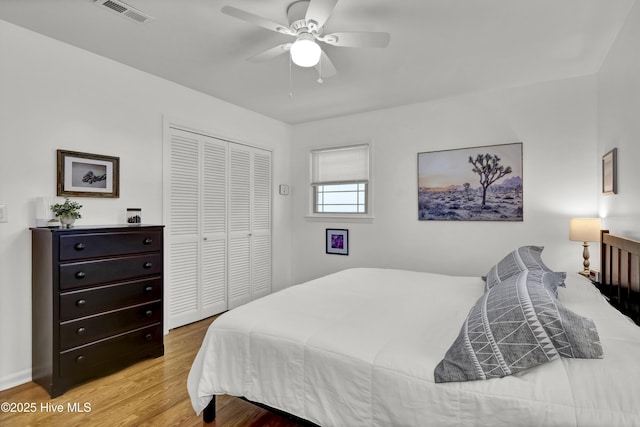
[(290, 80), (320, 71)]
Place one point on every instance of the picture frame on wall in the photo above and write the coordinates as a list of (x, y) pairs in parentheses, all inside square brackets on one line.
[(87, 175), (482, 183), (610, 172), (337, 241)]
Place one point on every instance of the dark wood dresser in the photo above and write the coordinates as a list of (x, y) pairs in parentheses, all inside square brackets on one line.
[(97, 301)]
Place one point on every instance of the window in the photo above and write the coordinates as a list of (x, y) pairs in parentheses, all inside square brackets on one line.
[(340, 180), (340, 198)]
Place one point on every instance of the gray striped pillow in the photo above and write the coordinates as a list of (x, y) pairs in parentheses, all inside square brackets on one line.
[(523, 258), (516, 326)]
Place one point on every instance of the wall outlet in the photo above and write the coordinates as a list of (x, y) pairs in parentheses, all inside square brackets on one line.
[(4, 214)]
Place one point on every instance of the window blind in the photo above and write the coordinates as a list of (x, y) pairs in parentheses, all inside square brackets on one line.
[(340, 165)]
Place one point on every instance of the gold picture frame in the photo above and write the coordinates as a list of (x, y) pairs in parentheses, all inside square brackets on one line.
[(87, 175)]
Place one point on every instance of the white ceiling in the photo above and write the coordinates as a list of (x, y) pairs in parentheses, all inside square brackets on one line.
[(438, 48)]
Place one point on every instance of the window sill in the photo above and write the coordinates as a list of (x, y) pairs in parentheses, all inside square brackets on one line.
[(340, 217)]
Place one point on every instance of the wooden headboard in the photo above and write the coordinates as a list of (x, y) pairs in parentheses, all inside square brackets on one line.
[(620, 273)]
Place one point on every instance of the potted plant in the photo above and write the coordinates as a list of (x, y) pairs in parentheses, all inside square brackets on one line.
[(68, 212)]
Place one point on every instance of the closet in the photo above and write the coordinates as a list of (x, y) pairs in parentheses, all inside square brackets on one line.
[(217, 211)]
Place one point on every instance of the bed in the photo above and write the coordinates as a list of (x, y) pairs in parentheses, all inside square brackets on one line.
[(360, 348)]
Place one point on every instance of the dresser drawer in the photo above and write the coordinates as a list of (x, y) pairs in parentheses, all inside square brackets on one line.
[(93, 328), (94, 359), (81, 303), (78, 246), (78, 274)]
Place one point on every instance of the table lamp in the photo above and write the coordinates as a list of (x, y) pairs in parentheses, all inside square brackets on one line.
[(585, 230)]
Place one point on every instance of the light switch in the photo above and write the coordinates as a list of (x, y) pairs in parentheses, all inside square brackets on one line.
[(4, 214), (284, 189)]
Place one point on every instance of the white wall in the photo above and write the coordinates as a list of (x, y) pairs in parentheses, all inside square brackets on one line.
[(56, 96), (556, 122), (619, 126)]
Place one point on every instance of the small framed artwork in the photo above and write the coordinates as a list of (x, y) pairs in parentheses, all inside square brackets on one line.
[(337, 241), (87, 175), (610, 172)]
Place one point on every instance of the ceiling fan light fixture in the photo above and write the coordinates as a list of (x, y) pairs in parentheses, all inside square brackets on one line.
[(305, 52)]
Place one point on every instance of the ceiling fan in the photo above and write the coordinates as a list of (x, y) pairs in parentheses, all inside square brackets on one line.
[(306, 22)]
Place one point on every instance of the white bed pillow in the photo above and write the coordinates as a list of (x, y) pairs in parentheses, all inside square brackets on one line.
[(515, 326)]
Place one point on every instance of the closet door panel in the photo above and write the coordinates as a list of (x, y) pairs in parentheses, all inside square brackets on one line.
[(239, 261), (184, 186), (182, 254), (261, 225), (239, 191), (261, 191), (214, 278), (214, 192), (183, 286), (213, 282), (261, 266)]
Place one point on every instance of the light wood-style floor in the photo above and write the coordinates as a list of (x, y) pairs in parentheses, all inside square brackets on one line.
[(152, 392)]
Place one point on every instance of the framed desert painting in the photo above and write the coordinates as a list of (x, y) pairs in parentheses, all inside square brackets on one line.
[(87, 175), (471, 184)]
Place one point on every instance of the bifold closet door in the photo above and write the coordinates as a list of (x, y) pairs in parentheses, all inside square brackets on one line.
[(218, 217), (249, 262), (196, 227)]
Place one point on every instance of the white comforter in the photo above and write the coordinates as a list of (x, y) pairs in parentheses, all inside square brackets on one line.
[(358, 348)]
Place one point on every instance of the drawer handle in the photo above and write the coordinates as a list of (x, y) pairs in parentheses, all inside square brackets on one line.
[(148, 264), (147, 241), (148, 289), (80, 359), (148, 337), (80, 275), (80, 303), (81, 331), (79, 246), (149, 313)]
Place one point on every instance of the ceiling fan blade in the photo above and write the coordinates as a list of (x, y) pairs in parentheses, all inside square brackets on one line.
[(325, 67), (320, 10), (255, 19), (357, 39), (270, 53)]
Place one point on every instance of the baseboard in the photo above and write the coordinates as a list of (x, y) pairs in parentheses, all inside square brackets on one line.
[(16, 379)]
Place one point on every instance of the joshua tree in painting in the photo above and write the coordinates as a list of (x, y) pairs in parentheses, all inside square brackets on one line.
[(490, 170), (467, 186)]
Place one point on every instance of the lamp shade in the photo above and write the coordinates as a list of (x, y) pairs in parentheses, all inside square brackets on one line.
[(305, 52), (584, 229)]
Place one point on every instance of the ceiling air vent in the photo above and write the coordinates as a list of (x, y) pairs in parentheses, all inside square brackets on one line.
[(124, 10)]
